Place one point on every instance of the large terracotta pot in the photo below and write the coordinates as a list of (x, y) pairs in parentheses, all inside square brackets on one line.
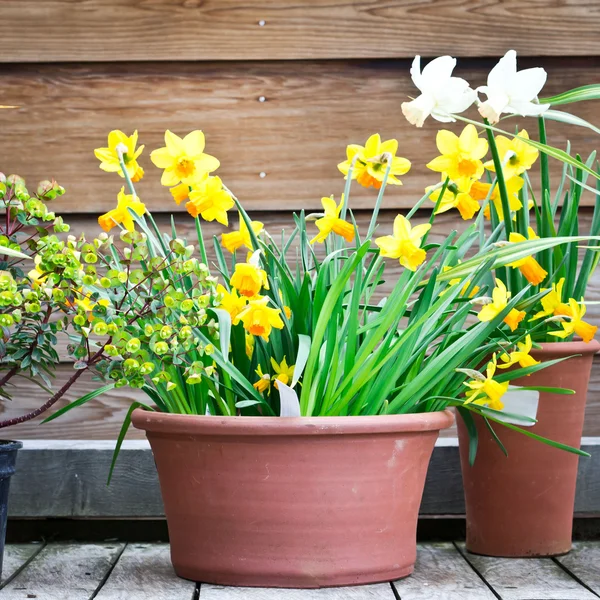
[(292, 502), (522, 505)]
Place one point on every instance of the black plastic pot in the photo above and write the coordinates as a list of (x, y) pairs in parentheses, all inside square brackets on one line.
[(8, 457)]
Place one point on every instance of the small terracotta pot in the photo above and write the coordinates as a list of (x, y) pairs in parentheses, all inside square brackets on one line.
[(292, 502), (522, 505)]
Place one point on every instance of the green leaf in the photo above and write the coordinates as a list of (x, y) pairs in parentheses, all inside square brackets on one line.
[(122, 433), (467, 417), (563, 117), (79, 402), (301, 357), (585, 92)]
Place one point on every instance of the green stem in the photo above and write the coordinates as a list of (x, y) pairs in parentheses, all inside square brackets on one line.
[(500, 177), (379, 200), (201, 241)]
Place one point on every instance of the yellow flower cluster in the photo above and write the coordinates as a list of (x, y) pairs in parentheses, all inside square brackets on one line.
[(461, 161)]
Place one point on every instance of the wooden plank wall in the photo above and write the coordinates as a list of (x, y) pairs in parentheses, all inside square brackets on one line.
[(279, 88)]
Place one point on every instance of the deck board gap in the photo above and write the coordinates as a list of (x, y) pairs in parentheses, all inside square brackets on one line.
[(42, 545), (479, 574), (196, 594), (573, 576), (395, 592), (108, 572)]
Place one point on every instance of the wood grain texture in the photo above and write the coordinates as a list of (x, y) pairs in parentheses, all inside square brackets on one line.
[(116, 30), (296, 136), (73, 476), (441, 571), (144, 571), (64, 572), (16, 557), (381, 591), (584, 562), (527, 578)]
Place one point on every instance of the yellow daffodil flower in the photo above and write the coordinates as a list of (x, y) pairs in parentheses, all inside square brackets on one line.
[(236, 239), (184, 160), (259, 318), (231, 301), (283, 372), (210, 200), (456, 195), (575, 323), (520, 356), (109, 157), (516, 155), (486, 391), (460, 156), (248, 279), (37, 275), (529, 267), (331, 222), (480, 191), (500, 297), (121, 214), (405, 243), (372, 162), (552, 303), (180, 193), (264, 382)]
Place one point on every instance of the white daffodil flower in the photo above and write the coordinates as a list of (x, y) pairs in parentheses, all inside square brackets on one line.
[(512, 91), (441, 94)]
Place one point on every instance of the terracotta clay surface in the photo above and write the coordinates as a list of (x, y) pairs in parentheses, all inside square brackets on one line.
[(292, 502), (522, 505)]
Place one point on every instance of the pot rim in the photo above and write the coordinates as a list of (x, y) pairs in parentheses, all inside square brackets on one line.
[(567, 348), (300, 426), (10, 445)]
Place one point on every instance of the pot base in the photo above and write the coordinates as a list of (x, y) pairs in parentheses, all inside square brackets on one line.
[(291, 580)]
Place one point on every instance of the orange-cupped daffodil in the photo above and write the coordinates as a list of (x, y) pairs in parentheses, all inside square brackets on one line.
[(372, 161), (231, 301), (183, 160), (485, 390), (574, 323), (259, 319), (516, 155), (456, 195), (500, 297), (529, 267), (331, 222), (210, 200), (480, 191), (120, 144), (264, 381), (283, 372), (248, 278), (121, 215), (460, 155), (405, 243), (552, 303), (236, 239), (520, 356)]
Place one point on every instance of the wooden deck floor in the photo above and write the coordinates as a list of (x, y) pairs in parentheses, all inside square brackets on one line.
[(117, 571)]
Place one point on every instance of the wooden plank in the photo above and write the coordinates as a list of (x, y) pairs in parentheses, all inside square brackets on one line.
[(584, 563), (16, 557), (116, 30), (73, 477), (527, 578), (441, 572), (381, 591), (64, 572), (144, 571), (295, 137)]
